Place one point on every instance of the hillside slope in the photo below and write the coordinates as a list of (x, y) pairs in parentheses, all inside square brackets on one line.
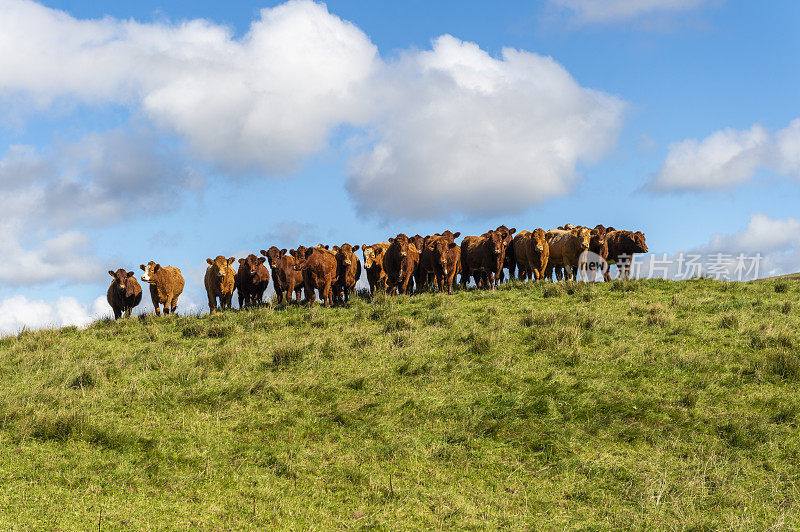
[(639, 405)]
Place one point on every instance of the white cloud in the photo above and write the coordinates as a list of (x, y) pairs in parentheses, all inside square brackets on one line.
[(461, 131), (452, 127), (18, 313), (266, 100), (587, 11), (727, 158)]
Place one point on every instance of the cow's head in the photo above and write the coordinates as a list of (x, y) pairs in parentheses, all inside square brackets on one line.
[(220, 266), (598, 238), (250, 265), (584, 237), (496, 244), (451, 236), (506, 233), (641, 245), (273, 255), (400, 243), (539, 239), (373, 256), (151, 271), (120, 278), (345, 255)]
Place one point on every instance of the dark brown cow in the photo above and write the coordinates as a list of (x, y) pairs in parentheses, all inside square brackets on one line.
[(565, 250), (166, 285), (482, 258), (621, 247), (124, 293), (532, 254), (285, 279), (400, 261), (373, 263), (252, 279), (440, 261), (417, 279), (509, 260), (349, 272), (319, 273)]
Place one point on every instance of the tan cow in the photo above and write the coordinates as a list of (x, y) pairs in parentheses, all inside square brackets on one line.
[(373, 264), (565, 249), (220, 281), (166, 285), (532, 254)]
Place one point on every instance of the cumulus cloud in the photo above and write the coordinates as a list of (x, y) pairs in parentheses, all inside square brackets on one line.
[(265, 100), (18, 313), (587, 11), (452, 127), (728, 158), (462, 131)]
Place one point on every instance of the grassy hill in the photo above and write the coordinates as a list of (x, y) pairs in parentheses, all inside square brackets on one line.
[(638, 405)]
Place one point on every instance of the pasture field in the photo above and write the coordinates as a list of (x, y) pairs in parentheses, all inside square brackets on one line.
[(635, 405)]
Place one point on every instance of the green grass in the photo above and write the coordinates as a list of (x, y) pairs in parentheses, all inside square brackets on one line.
[(638, 405)]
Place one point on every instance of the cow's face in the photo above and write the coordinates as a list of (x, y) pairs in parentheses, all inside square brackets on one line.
[(598, 237), (369, 256), (496, 244), (273, 256), (120, 278), (220, 266), (251, 264), (641, 245), (401, 244), (539, 239), (584, 237), (451, 236), (506, 234), (151, 270), (345, 255)]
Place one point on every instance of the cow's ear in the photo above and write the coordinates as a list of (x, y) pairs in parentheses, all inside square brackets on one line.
[(209, 261), (130, 274), (512, 230), (336, 248), (283, 251), (326, 246), (291, 252), (452, 245), (156, 268), (457, 234), (355, 248), (143, 268), (264, 252), (363, 247), (391, 240), (231, 260), (262, 260), (112, 274), (242, 261)]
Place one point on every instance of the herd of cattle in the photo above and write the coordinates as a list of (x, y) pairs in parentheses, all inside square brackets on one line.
[(400, 265)]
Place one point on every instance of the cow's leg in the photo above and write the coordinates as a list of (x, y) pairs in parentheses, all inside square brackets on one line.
[(117, 313), (212, 304)]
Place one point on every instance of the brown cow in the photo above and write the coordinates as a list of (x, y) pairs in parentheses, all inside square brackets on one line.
[(532, 254), (349, 272), (400, 262), (166, 285), (285, 280), (220, 281), (373, 263), (252, 279), (319, 273), (621, 247), (482, 258), (440, 261), (124, 293), (509, 260), (565, 250)]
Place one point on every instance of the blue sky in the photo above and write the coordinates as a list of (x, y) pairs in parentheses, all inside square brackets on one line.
[(176, 131)]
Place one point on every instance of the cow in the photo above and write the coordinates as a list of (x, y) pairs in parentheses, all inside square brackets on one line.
[(124, 293), (598, 246), (419, 244), (441, 261), (166, 285), (400, 262), (252, 279), (220, 282), (532, 254), (285, 280), (508, 261), (482, 258), (621, 247), (373, 264), (348, 271), (565, 249), (319, 273)]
